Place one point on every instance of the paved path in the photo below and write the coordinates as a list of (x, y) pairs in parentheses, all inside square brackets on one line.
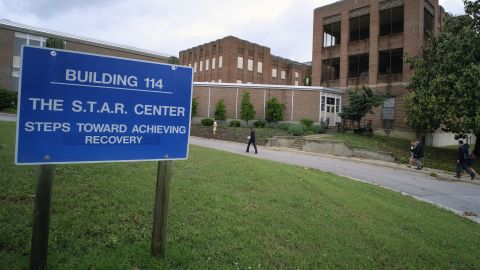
[(458, 197), (8, 117)]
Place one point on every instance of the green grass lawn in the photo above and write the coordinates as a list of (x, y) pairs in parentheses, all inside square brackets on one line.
[(227, 211), (435, 157)]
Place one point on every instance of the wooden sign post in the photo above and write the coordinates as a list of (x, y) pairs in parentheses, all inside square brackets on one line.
[(160, 213), (41, 218)]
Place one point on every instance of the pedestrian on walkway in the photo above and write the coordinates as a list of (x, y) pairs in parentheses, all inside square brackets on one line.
[(462, 159), (252, 140), (411, 159), (418, 154)]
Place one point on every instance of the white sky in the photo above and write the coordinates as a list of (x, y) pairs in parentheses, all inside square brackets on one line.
[(286, 26)]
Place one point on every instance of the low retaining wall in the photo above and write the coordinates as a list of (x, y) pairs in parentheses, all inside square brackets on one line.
[(330, 147), (281, 141)]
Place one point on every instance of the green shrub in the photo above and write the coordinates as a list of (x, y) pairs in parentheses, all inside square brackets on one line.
[(8, 99), (194, 106), (260, 124), (220, 110), (307, 122), (234, 123), (318, 129), (284, 126), (207, 122), (296, 129)]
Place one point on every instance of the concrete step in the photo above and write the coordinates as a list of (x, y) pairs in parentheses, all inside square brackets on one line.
[(298, 144)]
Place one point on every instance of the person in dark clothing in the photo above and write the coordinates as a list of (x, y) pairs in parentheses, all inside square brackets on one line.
[(251, 140), (418, 154), (462, 159)]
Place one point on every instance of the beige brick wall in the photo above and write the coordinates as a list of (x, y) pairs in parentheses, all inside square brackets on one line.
[(306, 103), (233, 47), (6, 57)]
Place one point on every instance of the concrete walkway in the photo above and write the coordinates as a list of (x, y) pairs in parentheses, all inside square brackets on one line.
[(459, 197), (8, 117)]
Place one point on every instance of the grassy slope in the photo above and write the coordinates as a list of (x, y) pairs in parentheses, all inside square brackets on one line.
[(438, 158), (227, 211)]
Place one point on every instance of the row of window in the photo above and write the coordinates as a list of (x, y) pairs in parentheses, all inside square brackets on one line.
[(249, 64), (389, 62), (391, 22), (283, 75), (207, 64)]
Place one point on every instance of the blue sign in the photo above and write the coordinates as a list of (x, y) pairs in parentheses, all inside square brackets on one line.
[(76, 107)]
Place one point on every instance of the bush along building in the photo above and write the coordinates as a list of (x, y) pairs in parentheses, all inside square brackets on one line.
[(363, 42)]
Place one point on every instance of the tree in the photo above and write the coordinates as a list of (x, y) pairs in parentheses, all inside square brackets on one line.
[(246, 108), (307, 79), (445, 86), (361, 103), (220, 111), (274, 110), (173, 60), (194, 106)]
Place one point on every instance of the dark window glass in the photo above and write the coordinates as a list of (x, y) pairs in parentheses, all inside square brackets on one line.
[(354, 29), (14, 84), (390, 62), (428, 23), (331, 69), (330, 101), (331, 34), (391, 21), (323, 104), (360, 28), (358, 65)]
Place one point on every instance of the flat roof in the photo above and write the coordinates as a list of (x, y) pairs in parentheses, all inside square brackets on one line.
[(7, 24), (270, 86)]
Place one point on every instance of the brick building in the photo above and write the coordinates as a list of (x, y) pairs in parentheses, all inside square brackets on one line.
[(363, 42), (14, 35), (233, 60)]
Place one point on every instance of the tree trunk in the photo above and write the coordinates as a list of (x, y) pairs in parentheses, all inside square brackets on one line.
[(476, 150)]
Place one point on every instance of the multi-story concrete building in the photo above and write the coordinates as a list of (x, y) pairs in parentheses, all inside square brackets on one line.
[(233, 60), (363, 43), (14, 35)]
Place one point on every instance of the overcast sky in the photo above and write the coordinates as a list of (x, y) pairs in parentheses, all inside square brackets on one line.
[(168, 27)]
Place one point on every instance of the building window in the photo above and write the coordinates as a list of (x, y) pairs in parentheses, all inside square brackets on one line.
[(331, 34), (195, 67), (23, 39), (428, 23), (337, 105), (249, 82), (360, 28), (296, 74), (331, 69), (390, 62), (220, 61), (213, 62), (239, 81), (388, 109), (240, 62), (358, 65), (274, 72), (296, 82), (219, 80), (201, 65), (391, 21), (260, 67), (282, 74), (323, 104), (250, 64), (207, 64)]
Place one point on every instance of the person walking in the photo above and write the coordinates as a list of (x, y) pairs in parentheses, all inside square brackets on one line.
[(462, 159), (411, 160), (418, 154), (252, 140)]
